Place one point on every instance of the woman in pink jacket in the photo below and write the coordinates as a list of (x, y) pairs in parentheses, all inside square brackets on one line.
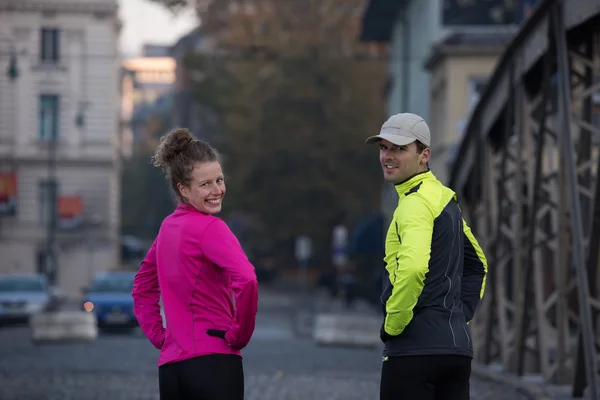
[(208, 287)]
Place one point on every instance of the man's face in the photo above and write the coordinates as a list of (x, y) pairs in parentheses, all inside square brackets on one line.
[(401, 162)]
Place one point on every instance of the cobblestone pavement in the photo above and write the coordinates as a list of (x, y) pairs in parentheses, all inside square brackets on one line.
[(122, 367)]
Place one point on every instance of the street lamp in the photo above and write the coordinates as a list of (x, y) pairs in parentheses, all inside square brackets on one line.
[(50, 264), (13, 68), (80, 119), (80, 116)]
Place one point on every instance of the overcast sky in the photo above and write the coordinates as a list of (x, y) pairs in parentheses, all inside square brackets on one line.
[(146, 22)]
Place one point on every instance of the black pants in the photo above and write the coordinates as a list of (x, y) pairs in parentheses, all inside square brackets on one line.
[(442, 377), (211, 377)]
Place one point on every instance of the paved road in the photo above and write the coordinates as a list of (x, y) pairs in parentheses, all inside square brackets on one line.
[(122, 367)]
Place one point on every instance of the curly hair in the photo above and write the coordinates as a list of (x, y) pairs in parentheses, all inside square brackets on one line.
[(178, 152)]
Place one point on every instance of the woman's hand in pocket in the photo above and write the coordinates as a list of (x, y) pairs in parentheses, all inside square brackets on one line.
[(216, 333)]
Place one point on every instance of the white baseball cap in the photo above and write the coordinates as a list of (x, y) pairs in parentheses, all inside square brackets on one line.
[(402, 129)]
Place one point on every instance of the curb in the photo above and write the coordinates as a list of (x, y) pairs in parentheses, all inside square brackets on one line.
[(532, 390)]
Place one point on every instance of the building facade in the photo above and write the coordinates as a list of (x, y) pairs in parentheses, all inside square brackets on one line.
[(413, 28), (146, 91), (186, 110), (59, 139), (459, 67)]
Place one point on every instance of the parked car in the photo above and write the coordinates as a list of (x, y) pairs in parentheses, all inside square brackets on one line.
[(109, 297), (22, 295)]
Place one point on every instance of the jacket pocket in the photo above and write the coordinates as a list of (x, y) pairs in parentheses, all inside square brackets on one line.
[(216, 333)]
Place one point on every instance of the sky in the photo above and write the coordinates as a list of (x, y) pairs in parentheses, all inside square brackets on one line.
[(147, 22)]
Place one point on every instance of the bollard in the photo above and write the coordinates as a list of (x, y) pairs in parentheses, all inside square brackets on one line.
[(63, 326), (347, 330)]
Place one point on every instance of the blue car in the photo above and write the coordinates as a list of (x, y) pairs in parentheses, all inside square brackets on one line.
[(109, 297)]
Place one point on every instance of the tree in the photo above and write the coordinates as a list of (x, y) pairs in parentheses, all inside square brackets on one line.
[(297, 95), (146, 197)]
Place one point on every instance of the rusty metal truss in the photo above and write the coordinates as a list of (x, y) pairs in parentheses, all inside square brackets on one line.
[(528, 172)]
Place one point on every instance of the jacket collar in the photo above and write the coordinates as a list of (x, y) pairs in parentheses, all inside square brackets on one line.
[(181, 206), (405, 186)]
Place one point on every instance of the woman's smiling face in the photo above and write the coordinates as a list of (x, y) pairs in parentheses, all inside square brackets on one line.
[(206, 189)]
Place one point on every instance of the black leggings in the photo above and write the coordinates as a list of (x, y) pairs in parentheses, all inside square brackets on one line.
[(443, 377), (211, 377)]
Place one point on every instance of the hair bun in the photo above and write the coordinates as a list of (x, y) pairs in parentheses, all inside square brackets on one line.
[(171, 145)]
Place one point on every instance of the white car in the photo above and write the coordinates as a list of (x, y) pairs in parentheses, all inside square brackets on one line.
[(22, 295)]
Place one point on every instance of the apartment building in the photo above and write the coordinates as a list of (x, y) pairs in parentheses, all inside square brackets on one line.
[(412, 28), (459, 67), (146, 90), (59, 142)]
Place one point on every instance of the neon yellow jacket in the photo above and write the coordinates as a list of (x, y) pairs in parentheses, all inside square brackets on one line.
[(436, 272)]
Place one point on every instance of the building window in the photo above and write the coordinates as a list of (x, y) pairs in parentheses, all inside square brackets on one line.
[(48, 203), (48, 117), (478, 12), (50, 45)]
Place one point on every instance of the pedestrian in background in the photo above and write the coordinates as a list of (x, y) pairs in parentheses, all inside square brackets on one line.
[(435, 274), (208, 287)]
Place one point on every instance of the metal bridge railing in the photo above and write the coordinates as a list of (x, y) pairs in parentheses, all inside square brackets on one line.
[(527, 172)]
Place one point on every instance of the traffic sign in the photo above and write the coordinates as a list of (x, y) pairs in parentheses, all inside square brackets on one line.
[(303, 248)]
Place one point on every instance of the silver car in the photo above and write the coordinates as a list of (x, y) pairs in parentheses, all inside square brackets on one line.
[(22, 295)]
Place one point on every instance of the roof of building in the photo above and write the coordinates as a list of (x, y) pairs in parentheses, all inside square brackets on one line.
[(186, 42), (155, 50), (475, 42), (378, 20)]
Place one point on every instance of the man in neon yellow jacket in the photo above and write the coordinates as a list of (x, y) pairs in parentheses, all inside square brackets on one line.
[(435, 277)]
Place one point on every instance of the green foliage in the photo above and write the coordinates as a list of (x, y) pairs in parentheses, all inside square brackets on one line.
[(295, 146), (146, 197)]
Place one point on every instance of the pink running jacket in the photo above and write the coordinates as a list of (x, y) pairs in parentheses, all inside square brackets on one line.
[(206, 282)]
